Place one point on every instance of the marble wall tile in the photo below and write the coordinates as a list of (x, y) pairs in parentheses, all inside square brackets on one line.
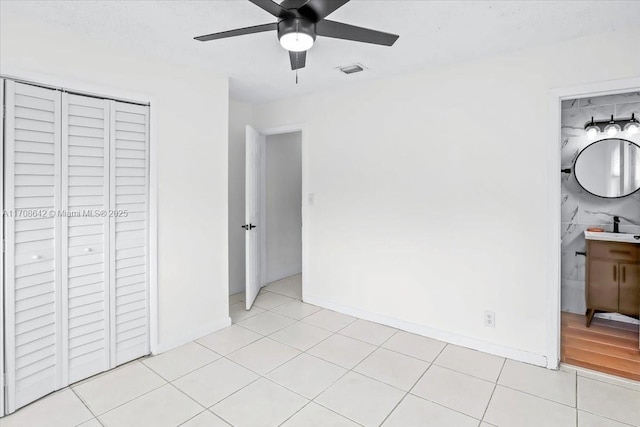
[(569, 208), (572, 265), (569, 184), (572, 296), (622, 98), (573, 120), (597, 211), (571, 147), (625, 110), (570, 103)]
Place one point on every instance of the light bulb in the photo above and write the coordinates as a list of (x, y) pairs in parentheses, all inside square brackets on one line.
[(612, 129), (296, 42), (632, 128), (592, 132)]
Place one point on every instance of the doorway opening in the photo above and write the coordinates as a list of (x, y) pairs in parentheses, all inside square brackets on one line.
[(273, 226), (600, 255)]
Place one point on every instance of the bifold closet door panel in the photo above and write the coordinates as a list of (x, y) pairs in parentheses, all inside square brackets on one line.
[(85, 236), (32, 270), (129, 231)]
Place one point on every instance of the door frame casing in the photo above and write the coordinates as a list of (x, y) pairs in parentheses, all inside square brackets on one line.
[(84, 88), (302, 128), (554, 280), (2, 366)]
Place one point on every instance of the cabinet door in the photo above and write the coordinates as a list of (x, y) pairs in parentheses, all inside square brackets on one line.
[(629, 299), (603, 285), (85, 236), (32, 287)]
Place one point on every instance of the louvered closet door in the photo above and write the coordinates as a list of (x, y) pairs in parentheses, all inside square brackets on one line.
[(32, 268), (129, 233), (85, 236)]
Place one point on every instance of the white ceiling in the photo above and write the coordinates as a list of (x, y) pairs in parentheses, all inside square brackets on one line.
[(431, 33)]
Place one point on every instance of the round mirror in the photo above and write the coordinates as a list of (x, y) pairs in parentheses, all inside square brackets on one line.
[(609, 168)]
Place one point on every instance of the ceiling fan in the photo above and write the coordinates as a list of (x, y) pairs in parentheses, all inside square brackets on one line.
[(300, 21)]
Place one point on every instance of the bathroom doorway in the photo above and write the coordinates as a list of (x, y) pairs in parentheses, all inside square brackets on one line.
[(600, 219)]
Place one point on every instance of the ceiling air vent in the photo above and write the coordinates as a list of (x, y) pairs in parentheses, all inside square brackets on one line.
[(353, 68)]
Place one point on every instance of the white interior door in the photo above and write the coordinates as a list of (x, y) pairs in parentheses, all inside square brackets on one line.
[(32, 231), (255, 143), (85, 236)]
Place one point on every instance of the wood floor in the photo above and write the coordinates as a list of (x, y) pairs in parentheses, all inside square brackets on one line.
[(606, 346)]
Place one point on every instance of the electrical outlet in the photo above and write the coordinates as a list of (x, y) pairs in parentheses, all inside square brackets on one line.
[(490, 319)]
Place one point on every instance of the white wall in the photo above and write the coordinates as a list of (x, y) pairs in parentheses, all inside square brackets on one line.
[(284, 205), (240, 115), (191, 112), (431, 194)]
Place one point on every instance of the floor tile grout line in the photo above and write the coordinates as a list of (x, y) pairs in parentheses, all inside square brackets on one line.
[(606, 418), (342, 367), (444, 406), (131, 400), (378, 346), (83, 402), (495, 386), (537, 396), (189, 372), (612, 380), (495, 383), (374, 379), (196, 415), (188, 397)]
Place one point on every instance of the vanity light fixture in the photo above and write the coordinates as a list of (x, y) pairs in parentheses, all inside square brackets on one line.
[(592, 130), (612, 127), (633, 127)]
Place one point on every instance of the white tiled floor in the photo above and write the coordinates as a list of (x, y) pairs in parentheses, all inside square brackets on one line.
[(287, 363)]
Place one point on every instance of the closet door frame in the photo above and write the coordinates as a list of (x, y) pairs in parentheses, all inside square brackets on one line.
[(2, 366), (82, 88)]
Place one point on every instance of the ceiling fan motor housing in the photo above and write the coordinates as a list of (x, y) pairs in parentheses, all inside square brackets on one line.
[(296, 25)]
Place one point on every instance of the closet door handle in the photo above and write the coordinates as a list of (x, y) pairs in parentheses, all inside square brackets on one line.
[(615, 273), (624, 273)]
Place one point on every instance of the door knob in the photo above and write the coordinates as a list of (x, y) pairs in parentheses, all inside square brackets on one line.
[(87, 250), (36, 257), (249, 227)]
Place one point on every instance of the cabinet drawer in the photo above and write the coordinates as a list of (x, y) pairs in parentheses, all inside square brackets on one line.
[(614, 250)]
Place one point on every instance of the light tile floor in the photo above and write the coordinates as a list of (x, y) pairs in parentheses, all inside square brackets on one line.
[(291, 364)]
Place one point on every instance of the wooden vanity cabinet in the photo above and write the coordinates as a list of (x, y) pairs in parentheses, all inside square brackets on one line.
[(613, 278)]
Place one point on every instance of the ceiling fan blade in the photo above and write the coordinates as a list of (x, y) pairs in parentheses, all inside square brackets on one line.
[(338, 30), (238, 32), (272, 7), (298, 59), (292, 4), (320, 9)]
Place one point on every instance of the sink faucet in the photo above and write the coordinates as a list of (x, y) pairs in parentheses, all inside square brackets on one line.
[(616, 221)]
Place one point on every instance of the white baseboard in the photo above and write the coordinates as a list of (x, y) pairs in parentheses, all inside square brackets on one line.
[(448, 337), (193, 335)]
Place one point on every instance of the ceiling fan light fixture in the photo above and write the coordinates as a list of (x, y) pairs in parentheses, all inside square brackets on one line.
[(296, 42), (296, 35)]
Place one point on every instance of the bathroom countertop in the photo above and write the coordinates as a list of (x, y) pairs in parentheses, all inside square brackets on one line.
[(612, 237)]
